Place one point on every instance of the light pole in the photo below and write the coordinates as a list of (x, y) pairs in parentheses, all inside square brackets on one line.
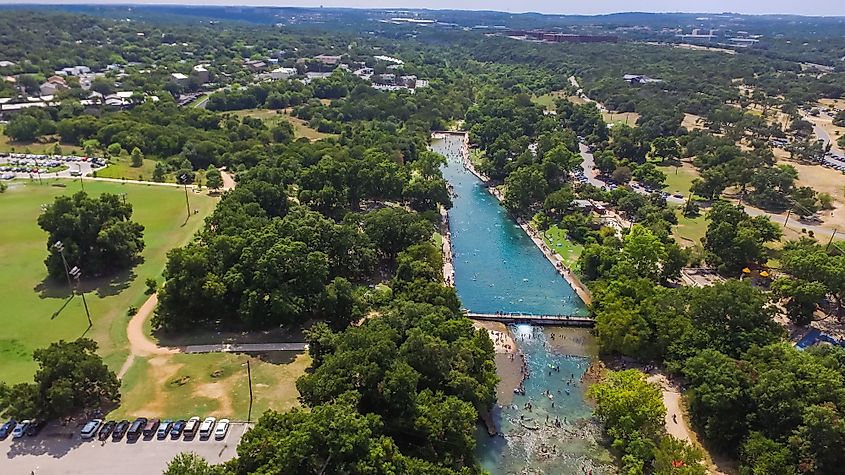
[(184, 179), (59, 246), (81, 183), (76, 273)]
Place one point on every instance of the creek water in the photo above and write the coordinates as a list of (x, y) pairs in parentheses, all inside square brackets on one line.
[(546, 428)]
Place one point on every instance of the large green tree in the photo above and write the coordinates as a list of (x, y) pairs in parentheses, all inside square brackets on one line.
[(71, 376), (97, 234)]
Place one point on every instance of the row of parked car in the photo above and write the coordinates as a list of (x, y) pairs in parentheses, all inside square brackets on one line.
[(161, 429), (17, 429)]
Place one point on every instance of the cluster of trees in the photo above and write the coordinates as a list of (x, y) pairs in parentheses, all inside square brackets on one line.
[(29, 124), (532, 153), (734, 240), (70, 377), (263, 259), (632, 412), (754, 172), (812, 275), (97, 234), (283, 94), (752, 395), (190, 138)]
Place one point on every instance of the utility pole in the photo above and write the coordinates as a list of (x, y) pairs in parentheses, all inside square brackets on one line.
[(788, 212), (249, 377), (61, 248), (830, 241), (81, 183), (76, 272), (184, 180)]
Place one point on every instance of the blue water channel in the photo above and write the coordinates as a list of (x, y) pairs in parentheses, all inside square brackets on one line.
[(497, 266), (547, 428)]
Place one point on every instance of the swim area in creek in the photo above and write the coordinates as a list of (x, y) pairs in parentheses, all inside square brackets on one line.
[(545, 424)]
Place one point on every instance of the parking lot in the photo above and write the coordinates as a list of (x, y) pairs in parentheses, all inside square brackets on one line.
[(22, 165), (62, 451)]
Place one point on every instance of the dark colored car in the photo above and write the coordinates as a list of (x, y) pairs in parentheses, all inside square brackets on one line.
[(119, 430), (150, 428), (7, 428), (35, 427), (106, 430), (178, 427), (136, 428)]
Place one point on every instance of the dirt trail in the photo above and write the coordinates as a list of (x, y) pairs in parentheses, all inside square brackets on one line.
[(676, 423), (139, 343)]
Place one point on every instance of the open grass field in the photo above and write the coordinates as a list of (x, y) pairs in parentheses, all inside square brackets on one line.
[(36, 313), (120, 167), (548, 100), (689, 231), (182, 385), (557, 240), (627, 118), (679, 180), (271, 117)]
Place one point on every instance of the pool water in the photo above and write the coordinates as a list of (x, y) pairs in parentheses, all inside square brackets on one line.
[(547, 428)]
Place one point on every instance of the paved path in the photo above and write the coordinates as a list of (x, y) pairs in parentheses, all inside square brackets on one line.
[(245, 347), (675, 421), (228, 180), (588, 164), (136, 182)]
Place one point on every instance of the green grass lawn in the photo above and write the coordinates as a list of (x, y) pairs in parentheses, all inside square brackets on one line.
[(182, 385), (272, 117), (557, 240), (689, 231), (36, 313), (121, 167), (678, 180), (548, 100)]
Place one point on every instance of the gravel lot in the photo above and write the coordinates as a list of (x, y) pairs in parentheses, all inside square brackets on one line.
[(56, 452)]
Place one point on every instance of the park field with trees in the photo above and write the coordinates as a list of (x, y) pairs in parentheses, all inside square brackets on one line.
[(38, 309)]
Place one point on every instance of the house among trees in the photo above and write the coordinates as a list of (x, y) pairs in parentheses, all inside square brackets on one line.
[(53, 85), (255, 65), (179, 78), (201, 73), (639, 79)]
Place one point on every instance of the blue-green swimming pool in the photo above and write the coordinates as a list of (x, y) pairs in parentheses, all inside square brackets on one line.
[(498, 268)]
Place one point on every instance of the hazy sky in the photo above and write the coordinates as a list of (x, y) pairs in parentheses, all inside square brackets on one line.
[(800, 7)]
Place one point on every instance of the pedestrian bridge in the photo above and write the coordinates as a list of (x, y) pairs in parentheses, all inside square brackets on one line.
[(561, 320)]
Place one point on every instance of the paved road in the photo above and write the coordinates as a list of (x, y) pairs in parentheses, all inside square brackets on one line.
[(57, 454), (246, 347), (588, 164)]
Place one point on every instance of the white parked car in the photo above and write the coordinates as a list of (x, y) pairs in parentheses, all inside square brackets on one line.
[(20, 429), (221, 429), (207, 426)]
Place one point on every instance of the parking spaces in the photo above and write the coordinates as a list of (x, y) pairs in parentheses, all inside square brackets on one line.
[(63, 450), (24, 165)]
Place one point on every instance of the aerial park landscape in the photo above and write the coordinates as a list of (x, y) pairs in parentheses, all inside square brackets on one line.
[(239, 240)]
